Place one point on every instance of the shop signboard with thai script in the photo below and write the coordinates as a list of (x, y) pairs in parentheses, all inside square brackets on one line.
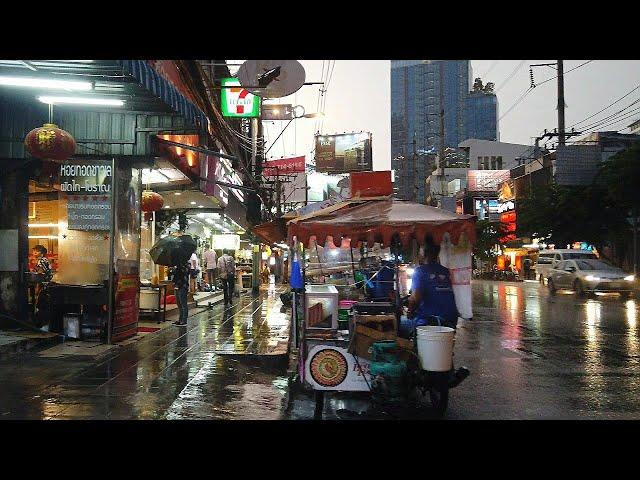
[(88, 187)]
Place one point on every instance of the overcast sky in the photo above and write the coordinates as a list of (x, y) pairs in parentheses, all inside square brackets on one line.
[(358, 98)]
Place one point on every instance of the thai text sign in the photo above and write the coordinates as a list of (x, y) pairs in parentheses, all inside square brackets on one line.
[(88, 185)]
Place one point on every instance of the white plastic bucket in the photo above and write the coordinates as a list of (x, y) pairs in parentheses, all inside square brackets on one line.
[(435, 347)]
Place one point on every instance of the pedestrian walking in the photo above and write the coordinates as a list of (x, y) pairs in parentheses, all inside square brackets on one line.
[(194, 270), (227, 272), (211, 264), (180, 279)]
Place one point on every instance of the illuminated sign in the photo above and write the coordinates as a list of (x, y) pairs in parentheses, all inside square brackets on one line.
[(226, 173), (506, 206), (348, 152), (230, 242), (238, 102), (486, 180)]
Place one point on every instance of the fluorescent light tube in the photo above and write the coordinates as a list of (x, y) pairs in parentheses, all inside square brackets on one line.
[(111, 102), (44, 83)]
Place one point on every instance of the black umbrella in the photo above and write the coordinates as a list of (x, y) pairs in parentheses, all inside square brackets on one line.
[(173, 250)]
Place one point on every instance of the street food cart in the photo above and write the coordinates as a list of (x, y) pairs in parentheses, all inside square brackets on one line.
[(369, 356)]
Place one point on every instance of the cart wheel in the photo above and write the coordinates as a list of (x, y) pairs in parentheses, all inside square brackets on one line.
[(439, 399)]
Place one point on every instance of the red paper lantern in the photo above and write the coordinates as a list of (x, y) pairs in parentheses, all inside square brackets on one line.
[(151, 201), (49, 142)]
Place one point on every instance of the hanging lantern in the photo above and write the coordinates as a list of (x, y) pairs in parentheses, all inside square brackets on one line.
[(49, 142), (151, 201)]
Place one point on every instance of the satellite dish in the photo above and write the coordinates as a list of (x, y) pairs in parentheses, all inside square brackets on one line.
[(278, 78)]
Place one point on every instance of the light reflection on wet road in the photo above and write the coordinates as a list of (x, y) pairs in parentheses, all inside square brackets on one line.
[(537, 356), (175, 373)]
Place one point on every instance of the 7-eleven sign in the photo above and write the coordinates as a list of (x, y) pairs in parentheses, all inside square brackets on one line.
[(238, 102)]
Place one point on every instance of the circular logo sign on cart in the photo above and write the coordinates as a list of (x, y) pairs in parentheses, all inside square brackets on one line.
[(329, 368)]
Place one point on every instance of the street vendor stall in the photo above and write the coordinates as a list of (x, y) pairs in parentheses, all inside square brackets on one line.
[(370, 351)]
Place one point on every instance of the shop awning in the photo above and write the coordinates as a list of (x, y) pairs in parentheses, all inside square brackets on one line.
[(379, 220), (272, 232)]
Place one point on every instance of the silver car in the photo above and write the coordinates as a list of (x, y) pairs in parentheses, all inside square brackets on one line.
[(589, 276)]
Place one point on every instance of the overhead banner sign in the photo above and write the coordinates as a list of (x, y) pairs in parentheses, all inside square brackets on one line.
[(347, 152), (237, 101), (88, 188), (284, 166)]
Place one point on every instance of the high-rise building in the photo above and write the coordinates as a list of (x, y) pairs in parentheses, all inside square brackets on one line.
[(481, 115), (415, 118)]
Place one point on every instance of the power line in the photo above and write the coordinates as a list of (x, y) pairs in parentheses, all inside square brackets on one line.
[(510, 76), (608, 118), (495, 62), (537, 85), (605, 108)]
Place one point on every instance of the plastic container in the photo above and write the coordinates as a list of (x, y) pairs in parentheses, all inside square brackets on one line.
[(327, 295), (435, 348)]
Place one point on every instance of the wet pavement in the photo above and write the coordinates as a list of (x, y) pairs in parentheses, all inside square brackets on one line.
[(533, 355), (175, 373)]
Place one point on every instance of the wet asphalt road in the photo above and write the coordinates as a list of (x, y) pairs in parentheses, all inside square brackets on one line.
[(533, 355), (175, 373)]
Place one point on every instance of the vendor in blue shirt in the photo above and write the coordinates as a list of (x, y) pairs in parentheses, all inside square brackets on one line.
[(431, 296)]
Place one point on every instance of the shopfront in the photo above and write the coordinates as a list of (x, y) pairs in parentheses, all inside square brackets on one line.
[(83, 212)]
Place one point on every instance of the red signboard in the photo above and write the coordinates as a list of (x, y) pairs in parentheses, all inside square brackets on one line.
[(371, 184), (508, 226), (125, 318), (283, 166)]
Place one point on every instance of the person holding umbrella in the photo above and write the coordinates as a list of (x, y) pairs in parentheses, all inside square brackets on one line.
[(175, 251)]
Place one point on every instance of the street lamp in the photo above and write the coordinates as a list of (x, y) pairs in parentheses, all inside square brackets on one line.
[(296, 115)]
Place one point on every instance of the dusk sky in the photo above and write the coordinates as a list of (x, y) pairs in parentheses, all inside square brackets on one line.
[(358, 98)]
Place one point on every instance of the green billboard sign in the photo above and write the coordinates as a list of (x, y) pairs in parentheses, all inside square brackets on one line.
[(237, 101)]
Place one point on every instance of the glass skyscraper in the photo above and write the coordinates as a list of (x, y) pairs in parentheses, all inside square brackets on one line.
[(415, 118), (482, 116)]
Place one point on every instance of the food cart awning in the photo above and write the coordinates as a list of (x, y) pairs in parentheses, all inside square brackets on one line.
[(272, 232), (378, 220)]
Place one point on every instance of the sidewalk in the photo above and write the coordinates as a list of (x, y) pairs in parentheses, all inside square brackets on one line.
[(198, 372)]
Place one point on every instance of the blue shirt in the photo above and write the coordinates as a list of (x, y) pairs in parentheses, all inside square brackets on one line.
[(434, 283)]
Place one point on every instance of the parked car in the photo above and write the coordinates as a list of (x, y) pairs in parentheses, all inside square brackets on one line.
[(548, 258), (587, 276)]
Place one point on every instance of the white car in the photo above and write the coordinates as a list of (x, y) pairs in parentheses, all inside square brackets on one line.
[(589, 276), (547, 259)]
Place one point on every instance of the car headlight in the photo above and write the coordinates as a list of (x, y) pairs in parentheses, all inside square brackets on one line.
[(630, 278), (591, 278)]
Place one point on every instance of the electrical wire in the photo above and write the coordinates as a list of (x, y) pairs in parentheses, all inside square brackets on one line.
[(607, 107), (608, 118), (495, 62), (537, 85), (515, 70)]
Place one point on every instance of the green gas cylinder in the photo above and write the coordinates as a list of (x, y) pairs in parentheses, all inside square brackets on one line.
[(388, 372)]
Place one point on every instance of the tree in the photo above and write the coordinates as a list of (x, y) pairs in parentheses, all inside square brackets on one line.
[(619, 176), (488, 234)]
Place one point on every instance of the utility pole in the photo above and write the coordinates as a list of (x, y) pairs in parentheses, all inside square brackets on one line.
[(413, 189), (441, 161), (560, 103)]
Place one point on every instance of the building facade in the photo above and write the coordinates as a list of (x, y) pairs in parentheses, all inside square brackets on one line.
[(481, 115), (415, 122), (577, 164)]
